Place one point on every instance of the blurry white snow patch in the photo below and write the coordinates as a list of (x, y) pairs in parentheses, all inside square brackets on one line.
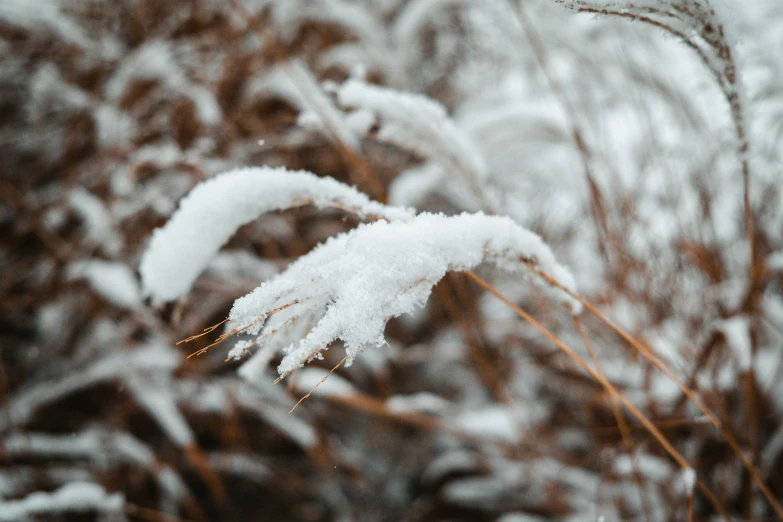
[(418, 402), (318, 110), (273, 407), (457, 460), (352, 17), (242, 465), (477, 491), (97, 219), (157, 357), (520, 517), (154, 60), (322, 383), (492, 422), (414, 185), (116, 282), (737, 332), (51, 319), (114, 127), (154, 394), (240, 263), (421, 125), (651, 467), (688, 479), (80, 497), (43, 14), (775, 261)]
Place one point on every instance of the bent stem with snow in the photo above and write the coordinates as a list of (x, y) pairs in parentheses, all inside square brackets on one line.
[(350, 286)]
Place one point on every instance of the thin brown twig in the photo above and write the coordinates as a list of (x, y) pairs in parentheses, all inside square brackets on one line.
[(308, 394), (233, 331), (208, 329), (598, 205), (618, 415)]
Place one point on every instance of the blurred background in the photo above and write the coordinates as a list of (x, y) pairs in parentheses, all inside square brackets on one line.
[(624, 145)]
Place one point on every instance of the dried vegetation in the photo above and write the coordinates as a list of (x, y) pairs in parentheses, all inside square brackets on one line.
[(642, 141)]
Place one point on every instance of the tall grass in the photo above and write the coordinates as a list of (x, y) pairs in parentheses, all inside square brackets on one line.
[(633, 145)]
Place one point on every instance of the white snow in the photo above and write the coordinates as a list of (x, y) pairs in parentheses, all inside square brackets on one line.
[(651, 467), (155, 60), (76, 497), (418, 402), (491, 422), (216, 208), (737, 332), (155, 396), (322, 384), (43, 14), (688, 477), (153, 358), (97, 219), (422, 126), (775, 261), (116, 282), (453, 461), (361, 279)]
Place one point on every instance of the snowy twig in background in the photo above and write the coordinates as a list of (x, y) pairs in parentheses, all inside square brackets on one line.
[(697, 24), (116, 282), (103, 449), (71, 498), (421, 125), (151, 359)]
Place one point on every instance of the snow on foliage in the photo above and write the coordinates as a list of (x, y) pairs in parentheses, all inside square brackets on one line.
[(114, 281), (359, 280), (322, 383), (737, 332), (216, 208), (351, 285), (155, 60), (607, 134), (422, 126), (71, 498), (40, 16), (146, 360)]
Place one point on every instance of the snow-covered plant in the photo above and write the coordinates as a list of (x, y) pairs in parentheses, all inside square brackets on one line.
[(81, 498), (621, 137), (214, 211), (422, 126), (352, 284)]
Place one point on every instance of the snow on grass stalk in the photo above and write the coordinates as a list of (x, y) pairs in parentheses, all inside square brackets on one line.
[(216, 208), (422, 126), (361, 279)]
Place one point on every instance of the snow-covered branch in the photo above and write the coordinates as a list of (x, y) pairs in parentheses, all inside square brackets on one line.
[(357, 281), (216, 208), (422, 126), (72, 498)]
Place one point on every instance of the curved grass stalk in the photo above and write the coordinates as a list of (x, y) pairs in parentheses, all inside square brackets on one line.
[(658, 363), (641, 417)]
